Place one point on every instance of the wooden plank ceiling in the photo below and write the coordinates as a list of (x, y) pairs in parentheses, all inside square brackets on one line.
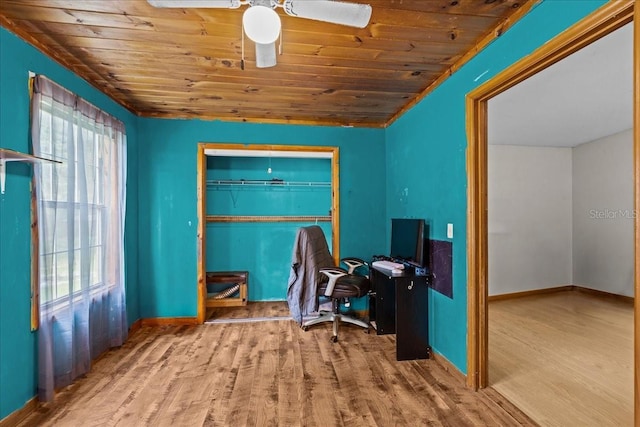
[(185, 63)]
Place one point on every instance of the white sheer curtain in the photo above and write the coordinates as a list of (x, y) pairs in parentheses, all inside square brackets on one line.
[(80, 211)]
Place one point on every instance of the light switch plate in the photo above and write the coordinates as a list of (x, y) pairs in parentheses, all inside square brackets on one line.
[(449, 231)]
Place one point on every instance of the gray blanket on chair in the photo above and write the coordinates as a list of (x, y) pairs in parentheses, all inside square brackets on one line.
[(310, 253)]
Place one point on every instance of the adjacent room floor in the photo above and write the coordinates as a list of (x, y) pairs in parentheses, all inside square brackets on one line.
[(565, 359)]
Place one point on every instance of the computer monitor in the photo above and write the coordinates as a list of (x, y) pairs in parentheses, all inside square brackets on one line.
[(407, 241)]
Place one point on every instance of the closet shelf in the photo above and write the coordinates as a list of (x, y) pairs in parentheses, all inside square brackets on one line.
[(267, 218), (266, 183), (7, 155)]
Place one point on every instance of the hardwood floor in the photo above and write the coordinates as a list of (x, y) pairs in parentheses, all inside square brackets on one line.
[(565, 359), (253, 310), (269, 373)]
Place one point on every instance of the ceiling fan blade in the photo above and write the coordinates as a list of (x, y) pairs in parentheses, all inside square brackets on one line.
[(222, 4), (336, 12), (265, 55)]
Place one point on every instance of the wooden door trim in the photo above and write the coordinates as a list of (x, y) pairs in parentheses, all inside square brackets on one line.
[(606, 19), (636, 221), (201, 174)]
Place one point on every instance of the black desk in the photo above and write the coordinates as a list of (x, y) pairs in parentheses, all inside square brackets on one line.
[(399, 304)]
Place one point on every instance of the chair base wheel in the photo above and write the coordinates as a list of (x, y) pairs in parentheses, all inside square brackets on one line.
[(334, 338), (305, 328)]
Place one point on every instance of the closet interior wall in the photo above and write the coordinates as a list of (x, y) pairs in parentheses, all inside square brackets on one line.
[(254, 207)]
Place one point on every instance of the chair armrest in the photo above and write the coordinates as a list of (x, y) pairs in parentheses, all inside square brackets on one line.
[(333, 273), (353, 263)]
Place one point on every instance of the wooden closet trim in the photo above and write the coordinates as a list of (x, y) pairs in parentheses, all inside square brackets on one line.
[(606, 19), (201, 175)]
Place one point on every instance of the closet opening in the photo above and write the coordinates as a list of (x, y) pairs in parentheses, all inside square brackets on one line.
[(251, 199)]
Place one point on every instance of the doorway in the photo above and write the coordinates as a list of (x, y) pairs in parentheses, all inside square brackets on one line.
[(605, 20)]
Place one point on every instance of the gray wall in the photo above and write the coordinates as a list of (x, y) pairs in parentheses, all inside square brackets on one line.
[(602, 214), (529, 218), (561, 216)]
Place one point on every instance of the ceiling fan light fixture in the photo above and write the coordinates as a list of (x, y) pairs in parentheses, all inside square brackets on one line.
[(261, 24), (265, 55)]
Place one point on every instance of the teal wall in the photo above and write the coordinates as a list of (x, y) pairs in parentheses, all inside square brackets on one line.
[(168, 217), (17, 343), (426, 157), (263, 249)]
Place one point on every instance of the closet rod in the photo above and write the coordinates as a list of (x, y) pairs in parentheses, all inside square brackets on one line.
[(273, 183), (266, 218)]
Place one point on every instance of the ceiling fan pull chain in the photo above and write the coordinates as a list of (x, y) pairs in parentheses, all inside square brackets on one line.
[(242, 48)]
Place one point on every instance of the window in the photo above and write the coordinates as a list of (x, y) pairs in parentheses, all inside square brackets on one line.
[(66, 245)]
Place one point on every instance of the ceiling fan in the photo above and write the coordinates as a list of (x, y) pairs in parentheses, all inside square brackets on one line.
[(262, 24)]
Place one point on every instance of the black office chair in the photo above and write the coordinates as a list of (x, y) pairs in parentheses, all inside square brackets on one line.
[(314, 275)]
